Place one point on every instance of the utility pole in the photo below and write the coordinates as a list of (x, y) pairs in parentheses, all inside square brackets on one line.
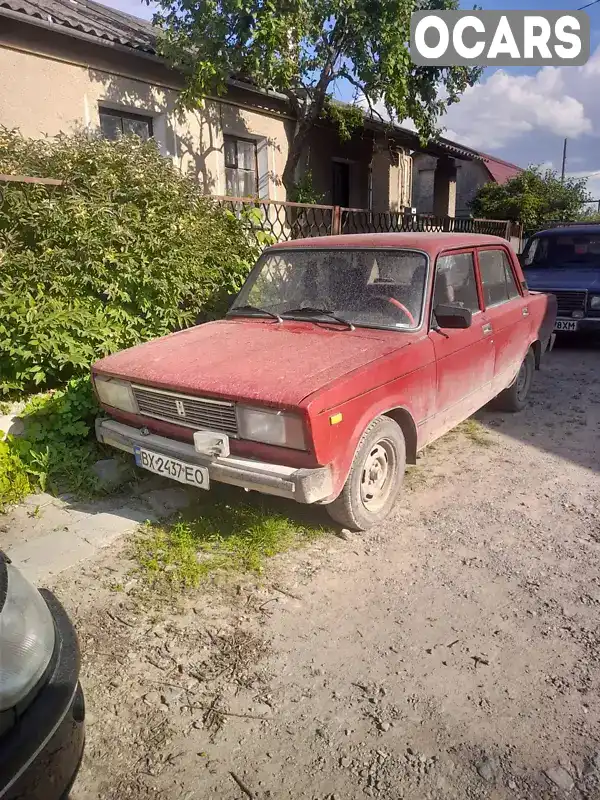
[(564, 161)]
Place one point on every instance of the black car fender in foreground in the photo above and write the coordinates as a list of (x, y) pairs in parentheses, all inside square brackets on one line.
[(42, 738)]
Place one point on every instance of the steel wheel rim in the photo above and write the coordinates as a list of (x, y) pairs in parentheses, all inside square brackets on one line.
[(522, 379), (377, 475)]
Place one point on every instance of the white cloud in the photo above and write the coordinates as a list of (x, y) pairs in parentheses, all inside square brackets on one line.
[(563, 101), (593, 181)]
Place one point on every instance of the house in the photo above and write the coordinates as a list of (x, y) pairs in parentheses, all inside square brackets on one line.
[(469, 176), (70, 64)]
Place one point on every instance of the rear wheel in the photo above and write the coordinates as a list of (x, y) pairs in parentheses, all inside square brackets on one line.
[(515, 397), (375, 477)]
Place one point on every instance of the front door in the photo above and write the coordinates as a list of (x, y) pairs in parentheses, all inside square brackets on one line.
[(464, 358), (507, 312), (341, 184)]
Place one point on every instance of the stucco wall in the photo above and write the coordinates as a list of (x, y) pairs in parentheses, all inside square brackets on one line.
[(52, 82), (323, 148), (470, 175), (423, 176), (62, 89)]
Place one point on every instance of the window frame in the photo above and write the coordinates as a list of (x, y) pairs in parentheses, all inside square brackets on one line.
[(123, 114), (233, 137), (511, 266), (457, 252)]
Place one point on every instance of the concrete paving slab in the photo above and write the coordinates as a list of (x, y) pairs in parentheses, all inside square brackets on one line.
[(45, 535), (48, 555)]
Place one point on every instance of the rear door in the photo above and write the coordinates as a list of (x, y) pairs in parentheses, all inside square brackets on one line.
[(507, 312), (464, 358)]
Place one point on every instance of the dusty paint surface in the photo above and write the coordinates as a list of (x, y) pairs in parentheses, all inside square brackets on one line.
[(250, 359), (431, 243)]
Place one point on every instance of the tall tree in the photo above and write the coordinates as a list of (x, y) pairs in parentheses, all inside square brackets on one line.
[(534, 197), (303, 49)]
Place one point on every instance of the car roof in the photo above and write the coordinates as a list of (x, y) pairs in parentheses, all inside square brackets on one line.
[(431, 243), (575, 230)]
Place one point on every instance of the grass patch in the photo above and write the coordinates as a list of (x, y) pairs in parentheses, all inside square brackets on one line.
[(475, 431), (415, 477), (217, 536)]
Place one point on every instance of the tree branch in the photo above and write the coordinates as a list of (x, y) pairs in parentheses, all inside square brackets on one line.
[(372, 111)]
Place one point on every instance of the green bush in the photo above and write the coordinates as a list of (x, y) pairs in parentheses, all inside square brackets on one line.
[(57, 450), (126, 250), (14, 481)]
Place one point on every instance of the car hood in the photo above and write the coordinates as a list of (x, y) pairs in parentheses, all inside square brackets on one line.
[(254, 360), (577, 278)]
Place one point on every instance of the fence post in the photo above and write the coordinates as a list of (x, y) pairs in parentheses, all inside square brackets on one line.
[(336, 220)]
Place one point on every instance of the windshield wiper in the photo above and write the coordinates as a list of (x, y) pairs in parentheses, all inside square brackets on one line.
[(309, 311), (257, 309)]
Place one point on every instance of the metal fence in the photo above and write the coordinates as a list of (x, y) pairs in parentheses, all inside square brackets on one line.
[(20, 187), (275, 221)]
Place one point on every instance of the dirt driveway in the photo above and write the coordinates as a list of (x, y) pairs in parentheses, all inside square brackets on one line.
[(454, 653)]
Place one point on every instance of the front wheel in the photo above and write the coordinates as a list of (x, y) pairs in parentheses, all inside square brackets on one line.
[(515, 397), (375, 477)]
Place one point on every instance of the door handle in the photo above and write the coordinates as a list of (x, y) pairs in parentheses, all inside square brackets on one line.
[(487, 329), (525, 311)]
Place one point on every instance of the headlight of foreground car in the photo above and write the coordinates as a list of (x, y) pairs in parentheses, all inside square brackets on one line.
[(271, 427), (116, 394), (26, 636), (595, 303)]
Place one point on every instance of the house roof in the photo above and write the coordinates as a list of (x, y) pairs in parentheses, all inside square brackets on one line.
[(500, 171), (89, 18)]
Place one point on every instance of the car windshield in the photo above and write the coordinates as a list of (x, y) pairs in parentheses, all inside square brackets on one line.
[(563, 250), (368, 287)]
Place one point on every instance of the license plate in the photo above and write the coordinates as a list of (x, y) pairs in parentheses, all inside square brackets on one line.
[(565, 325), (172, 468)]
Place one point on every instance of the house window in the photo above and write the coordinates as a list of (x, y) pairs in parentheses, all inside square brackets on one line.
[(241, 167), (114, 124)]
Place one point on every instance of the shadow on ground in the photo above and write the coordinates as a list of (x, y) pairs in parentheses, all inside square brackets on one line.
[(563, 416)]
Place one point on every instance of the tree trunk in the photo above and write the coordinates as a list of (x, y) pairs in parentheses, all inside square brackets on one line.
[(294, 154)]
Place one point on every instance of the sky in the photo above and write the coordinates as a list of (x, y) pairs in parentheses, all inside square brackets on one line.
[(522, 114)]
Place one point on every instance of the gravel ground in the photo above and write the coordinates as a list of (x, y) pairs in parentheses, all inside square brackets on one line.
[(453, 653)]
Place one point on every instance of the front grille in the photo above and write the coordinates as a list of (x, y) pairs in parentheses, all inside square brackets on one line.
[(193, 412), (568, 301)]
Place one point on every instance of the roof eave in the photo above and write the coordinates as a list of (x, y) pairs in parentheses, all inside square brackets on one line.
[(67, 30)]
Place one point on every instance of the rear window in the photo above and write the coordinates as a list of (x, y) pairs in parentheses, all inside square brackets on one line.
[(562, 250)]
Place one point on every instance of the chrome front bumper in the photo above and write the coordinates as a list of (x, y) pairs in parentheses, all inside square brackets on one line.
[(302, 485)]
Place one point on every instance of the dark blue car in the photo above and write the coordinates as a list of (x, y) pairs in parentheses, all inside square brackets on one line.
[(565, 262)]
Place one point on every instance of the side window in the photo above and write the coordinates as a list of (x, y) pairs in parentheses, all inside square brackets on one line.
[(455, 283), (497, 277)]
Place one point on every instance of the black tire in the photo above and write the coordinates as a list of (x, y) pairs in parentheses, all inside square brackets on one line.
[(515, 397), (365, 499)]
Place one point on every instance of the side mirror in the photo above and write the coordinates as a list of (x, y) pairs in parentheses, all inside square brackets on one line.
[(453, 316)]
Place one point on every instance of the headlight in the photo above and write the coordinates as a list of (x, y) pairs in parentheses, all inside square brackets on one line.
[(595, 302), (116, 394), (271, 427), (26, 637)]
